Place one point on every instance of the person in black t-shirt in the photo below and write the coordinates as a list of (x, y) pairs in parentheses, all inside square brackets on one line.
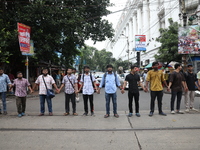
[(133, 80), (190, 79)]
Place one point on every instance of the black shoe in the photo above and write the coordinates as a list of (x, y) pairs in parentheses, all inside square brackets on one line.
[(5, 113), (150, 114), (85, 114), (163, 114), (92, 113)]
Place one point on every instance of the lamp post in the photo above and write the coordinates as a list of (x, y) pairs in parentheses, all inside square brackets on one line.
[(127, 47)]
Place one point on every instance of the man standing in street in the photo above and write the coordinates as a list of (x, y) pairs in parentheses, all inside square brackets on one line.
[(4, 81), (156, 78), (190, 79), (88, 84), (71, 89), (111, 82), (41, 80), (144, 76), (133, 80), (21, 85), (176, 83)]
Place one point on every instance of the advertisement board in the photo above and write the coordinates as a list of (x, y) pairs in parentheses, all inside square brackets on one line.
[(140, 42)]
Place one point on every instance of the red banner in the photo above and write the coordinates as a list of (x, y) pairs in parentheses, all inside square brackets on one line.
[(24, 37)]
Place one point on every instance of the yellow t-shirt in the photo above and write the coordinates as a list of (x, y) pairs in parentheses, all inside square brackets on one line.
[(155, 78)]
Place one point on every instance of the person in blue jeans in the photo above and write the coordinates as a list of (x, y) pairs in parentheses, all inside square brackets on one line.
[(111, 82), (4, 82)]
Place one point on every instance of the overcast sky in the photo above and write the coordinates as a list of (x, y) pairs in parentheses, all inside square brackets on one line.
[(112, 18)]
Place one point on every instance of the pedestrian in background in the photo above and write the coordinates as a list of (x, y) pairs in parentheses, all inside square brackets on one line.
[(133, 80), (71, 89), (77, 76), (191, 84), (41, 80), (176, 83), (155, 77), (4, 82), (88, 84), (21, 85), (111, 82)]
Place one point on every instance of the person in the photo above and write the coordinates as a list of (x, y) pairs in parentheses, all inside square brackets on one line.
[(21, 85), (191, 84), (88, 84), (71, 88), (111, 82), (155, 77), (144, 76), (4, 81), (58, 80), (77, 76), (134, 80), (12, 78), (176, 83), (43, 90)]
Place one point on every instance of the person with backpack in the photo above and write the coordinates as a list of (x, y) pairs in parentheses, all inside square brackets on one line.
[(111, 82), (88, 84), (176, 83), (191, 81)]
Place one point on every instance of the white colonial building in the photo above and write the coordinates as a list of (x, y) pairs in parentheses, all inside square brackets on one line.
[(145, 17)]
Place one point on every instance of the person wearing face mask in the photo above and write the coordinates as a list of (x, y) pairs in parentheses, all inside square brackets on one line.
[(4, 81), (155, 77), (21, 85), (43, 91), (111, 82)]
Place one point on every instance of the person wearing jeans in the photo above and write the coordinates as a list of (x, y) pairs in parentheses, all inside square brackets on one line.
[(4, 81), (42, 103), (111, 82), (176, 83)]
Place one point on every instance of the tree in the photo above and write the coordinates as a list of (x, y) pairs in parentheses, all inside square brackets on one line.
[(169, 39)]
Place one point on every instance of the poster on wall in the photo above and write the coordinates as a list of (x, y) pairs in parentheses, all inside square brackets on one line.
[(140, 42), (189, 40), (24, 37)]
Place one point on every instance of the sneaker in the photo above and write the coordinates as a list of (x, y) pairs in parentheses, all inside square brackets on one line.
[(19, 115), (92, 113), (179, 112), (172, 112), (187, 110), (150, 114), (130, 114), (23, 114), (137, 114), (5, 113), (85, 114), (163, 114), (193, 109)]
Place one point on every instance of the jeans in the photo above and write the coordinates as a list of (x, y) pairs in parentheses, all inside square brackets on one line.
[(114, 101), (159, 95), (85, 99), (136, 98), (67, 100), (173, 97), (42, 103), (3, 98), (21, 104)]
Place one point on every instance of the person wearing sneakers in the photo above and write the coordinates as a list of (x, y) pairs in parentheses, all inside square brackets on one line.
[(71, 89), (88, 84), (133, 80), (40, 81), (176, 83), (156, 78), (111, 82), (190, 79), (21, 85)]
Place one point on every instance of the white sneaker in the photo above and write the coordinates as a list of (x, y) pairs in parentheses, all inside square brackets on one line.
[(193, 109), (172, 112), (179, 112), (187, 110)]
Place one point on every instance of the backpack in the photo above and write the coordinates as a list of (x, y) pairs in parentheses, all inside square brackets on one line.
[(104, 82), (90, 79)]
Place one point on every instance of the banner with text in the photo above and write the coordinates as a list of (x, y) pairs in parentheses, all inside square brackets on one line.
[(140, 42), (24, 37)]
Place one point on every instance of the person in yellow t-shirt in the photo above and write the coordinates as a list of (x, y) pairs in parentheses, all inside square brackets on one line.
[(155, 77)]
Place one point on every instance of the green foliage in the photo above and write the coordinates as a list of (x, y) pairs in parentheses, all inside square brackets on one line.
[(169, 49)]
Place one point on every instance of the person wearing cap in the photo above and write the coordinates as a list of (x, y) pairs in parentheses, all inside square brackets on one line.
[(111, 82), (191, 83), (88, 84)]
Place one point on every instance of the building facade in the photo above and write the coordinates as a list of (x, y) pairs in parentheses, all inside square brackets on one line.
[(145, 17)]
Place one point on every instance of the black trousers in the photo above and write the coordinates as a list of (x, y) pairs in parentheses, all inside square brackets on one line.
[(173, 97), (159, 95), (130, 104), (69, 97), (85, 99)]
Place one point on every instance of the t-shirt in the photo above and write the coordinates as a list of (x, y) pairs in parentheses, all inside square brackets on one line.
[(133, 80), (176, 78), (190, 79)]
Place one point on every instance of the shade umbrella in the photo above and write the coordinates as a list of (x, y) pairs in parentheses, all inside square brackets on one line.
[(150, 65)]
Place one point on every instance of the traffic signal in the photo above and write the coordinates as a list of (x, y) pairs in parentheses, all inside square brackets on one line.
[(138, 59)]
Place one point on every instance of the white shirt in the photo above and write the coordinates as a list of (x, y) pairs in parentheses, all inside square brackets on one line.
[(88, 88)]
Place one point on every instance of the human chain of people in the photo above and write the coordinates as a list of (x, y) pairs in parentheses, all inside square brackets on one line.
[(178, 83)]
